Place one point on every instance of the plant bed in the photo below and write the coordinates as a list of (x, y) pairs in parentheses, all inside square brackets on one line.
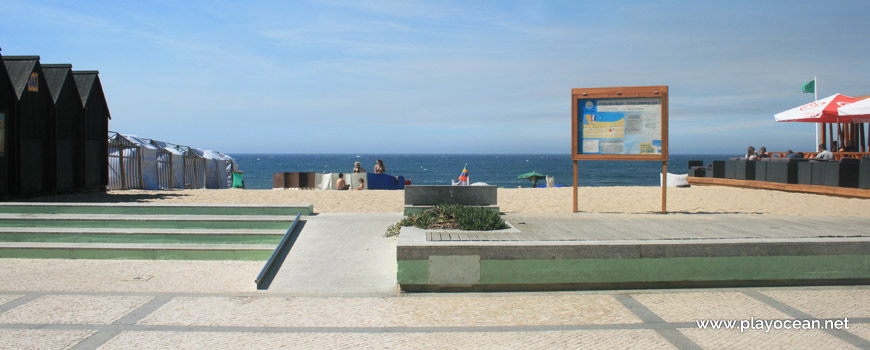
[(452, 217)]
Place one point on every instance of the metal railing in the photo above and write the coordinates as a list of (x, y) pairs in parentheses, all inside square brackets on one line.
[(263, 283), (837, 155)]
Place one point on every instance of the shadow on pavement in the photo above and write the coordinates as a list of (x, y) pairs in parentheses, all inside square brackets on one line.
[(269, 275)]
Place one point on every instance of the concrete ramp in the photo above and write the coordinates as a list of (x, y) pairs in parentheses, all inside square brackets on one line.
[(341, 254)]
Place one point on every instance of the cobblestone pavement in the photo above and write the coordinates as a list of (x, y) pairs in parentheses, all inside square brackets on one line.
[(101, 304), (618, 319)]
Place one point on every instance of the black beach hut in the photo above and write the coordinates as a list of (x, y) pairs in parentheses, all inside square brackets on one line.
[(30, 129), (95, 117), (68, 155), (7, 108)]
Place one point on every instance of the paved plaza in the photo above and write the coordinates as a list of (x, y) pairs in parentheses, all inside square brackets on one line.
[(336, 289), (123, 304)]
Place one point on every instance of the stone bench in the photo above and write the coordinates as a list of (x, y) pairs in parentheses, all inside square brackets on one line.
[(421, 197)]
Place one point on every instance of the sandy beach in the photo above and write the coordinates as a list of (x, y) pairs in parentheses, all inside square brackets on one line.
[(697, 199)]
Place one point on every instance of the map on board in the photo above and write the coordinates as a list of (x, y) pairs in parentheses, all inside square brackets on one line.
[(620, 126)]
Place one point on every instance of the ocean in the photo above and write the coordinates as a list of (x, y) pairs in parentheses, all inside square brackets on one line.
[(494, 169)]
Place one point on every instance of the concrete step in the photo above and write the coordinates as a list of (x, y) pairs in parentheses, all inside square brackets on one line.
[(61, 250), (148, 221), (110, 230), (155, 208), (138, 235)]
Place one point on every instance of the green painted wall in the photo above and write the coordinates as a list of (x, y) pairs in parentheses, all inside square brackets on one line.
[(413, 272), (145, 210), (177, 224), (655, 270), (140, 238), (84, 253), (674, 269)]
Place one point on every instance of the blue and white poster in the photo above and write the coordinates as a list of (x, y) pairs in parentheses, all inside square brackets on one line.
[(631, 126)]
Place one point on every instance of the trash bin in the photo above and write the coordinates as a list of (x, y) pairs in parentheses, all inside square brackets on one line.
[(238, 182)]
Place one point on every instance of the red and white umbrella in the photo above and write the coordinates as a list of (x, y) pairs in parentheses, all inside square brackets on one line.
[(821, 111), (858, 111)]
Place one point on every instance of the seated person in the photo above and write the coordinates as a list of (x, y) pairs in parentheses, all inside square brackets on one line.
[(362, 185), (850, 147), (357, 168), (340, 184), (750, 153), (762, 153), (790, 154), (824, 154)]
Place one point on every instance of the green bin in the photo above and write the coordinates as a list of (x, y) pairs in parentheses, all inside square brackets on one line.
[(237, 179)]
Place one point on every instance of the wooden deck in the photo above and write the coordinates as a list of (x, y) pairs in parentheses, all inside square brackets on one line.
[(764, 185), (616, 227)]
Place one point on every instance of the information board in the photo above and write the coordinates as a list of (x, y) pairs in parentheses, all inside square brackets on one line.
[(620, 123), (33, 82), (628, 123)]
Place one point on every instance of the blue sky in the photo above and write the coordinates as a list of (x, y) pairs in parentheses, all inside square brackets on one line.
[(446, 76)]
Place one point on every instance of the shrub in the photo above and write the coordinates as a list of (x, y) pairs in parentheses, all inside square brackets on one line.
[(452, 217)]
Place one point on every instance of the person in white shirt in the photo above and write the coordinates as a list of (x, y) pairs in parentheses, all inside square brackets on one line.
[(824, 154)]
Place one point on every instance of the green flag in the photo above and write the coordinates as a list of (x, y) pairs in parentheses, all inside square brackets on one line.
[(809, 86)]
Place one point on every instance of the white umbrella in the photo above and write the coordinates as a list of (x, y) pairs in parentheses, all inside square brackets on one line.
[(860, 109)]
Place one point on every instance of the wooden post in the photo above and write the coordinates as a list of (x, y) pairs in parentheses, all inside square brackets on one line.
[(841, 136), (831, 134), (121, 165), (824, 139), (664, 187), (862, 138), (576, 206), (171, 173), (847, 134), (141, 179)]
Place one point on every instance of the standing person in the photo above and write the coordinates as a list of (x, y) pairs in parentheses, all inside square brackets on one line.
[(379, 167), (357, 168), (340, 184)]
